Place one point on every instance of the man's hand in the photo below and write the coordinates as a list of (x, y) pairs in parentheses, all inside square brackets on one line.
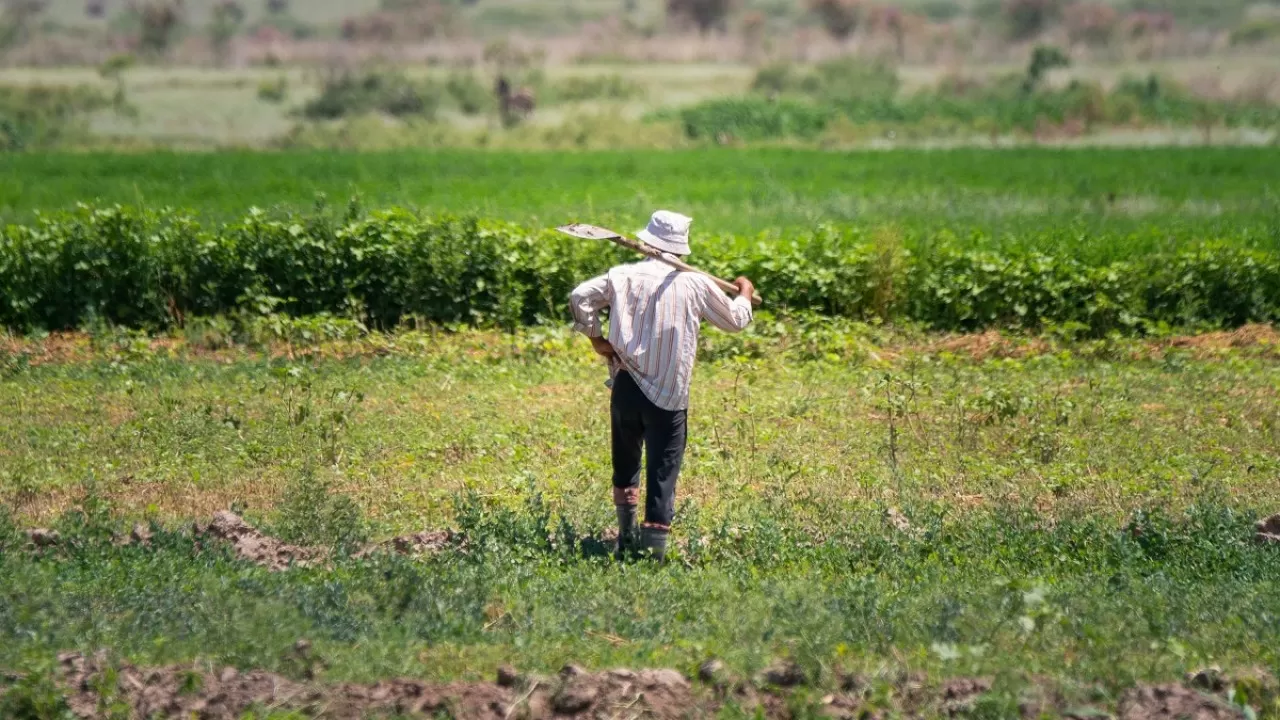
[(746, 288), (603, 348)]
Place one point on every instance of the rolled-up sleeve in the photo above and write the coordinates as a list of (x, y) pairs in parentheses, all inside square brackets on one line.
[(732, 315), (586, 301)]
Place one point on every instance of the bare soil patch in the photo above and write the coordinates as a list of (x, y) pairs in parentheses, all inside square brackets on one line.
[(1173, 702), (200, 690), (1269, 530)]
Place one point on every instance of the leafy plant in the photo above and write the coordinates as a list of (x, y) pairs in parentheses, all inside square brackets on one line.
[(150, 270), (347, 93), (752, 119), (311, 513), (274, 91)]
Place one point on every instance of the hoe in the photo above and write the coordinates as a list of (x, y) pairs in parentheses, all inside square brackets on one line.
[(591, 232)]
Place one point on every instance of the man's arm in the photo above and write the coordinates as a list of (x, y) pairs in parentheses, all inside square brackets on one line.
[(730, 315), (585, 302)]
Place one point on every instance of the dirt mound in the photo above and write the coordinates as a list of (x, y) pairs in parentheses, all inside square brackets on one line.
[(256, 546), (1173, 702), (990, 344), (425, 542), (192, 690), (1269, 530), (186, 691), (1245, 336)]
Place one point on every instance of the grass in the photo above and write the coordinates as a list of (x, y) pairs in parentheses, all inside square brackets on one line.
[(1099, 199), (1079, 512)]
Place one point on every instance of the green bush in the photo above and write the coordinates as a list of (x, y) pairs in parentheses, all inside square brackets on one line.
[(867, 94), (392, 93), (596, 87), (753, 119), (151, 269), (273, 91), (1256, 32), (470, 95), (41, 117), (311, 513), (835, 81)]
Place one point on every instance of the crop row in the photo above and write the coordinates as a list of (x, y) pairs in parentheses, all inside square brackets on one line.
[(152, 269)]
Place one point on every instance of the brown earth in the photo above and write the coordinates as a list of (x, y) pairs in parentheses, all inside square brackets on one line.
[(1173, 702), (215, 694), (250, 543), (257, 547), (1269, 530)]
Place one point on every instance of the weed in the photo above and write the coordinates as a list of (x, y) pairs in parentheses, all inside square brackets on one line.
[(312, 513)]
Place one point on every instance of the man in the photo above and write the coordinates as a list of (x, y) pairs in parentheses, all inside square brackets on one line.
[(654, 315)]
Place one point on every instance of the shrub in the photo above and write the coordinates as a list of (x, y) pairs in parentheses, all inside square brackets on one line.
[(311, 513), (273, 91), (148, 270), (470, 95), (1028, 18), (753, 119), (596, 87), (159, 21), (17, 20), (43, 117), (1256, 32), (835, 81), (839, 17), (706, 15), (351, 94), (228, 16)]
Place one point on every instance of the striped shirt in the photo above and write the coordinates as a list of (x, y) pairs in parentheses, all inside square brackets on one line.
[(654, 314)]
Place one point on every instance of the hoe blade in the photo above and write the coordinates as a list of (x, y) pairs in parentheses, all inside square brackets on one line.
[(588, 232)]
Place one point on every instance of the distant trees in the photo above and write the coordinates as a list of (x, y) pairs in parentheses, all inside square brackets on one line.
[(16, 20), (228, 16), (1044, 59), (706, 15), (1028, 18), (401, 20), (159, 21), (1091, 23), (839, 17)]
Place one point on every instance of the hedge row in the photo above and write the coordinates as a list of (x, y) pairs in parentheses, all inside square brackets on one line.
[(152, 269)]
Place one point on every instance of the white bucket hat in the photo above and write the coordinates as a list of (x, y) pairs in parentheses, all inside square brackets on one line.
[(668, 231)]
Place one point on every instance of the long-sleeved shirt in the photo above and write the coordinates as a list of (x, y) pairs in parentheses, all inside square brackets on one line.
[(654, 315)]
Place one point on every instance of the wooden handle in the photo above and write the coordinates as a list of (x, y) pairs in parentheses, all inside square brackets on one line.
[(678, 264), (724, 285)]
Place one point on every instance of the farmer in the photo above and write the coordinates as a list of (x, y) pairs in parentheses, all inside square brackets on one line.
[(654, 314)]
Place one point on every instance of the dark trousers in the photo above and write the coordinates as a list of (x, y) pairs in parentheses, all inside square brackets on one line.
[(637, 421)]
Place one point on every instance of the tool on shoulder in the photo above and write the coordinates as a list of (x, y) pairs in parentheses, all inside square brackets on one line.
[(591, 232)]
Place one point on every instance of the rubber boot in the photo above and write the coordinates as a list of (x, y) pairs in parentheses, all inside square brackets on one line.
[(653, 542), (628, 536), (625, 501)]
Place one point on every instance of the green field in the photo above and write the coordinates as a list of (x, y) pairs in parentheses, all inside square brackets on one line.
[(1086, 200), (1076, 521), (1056, 510)]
